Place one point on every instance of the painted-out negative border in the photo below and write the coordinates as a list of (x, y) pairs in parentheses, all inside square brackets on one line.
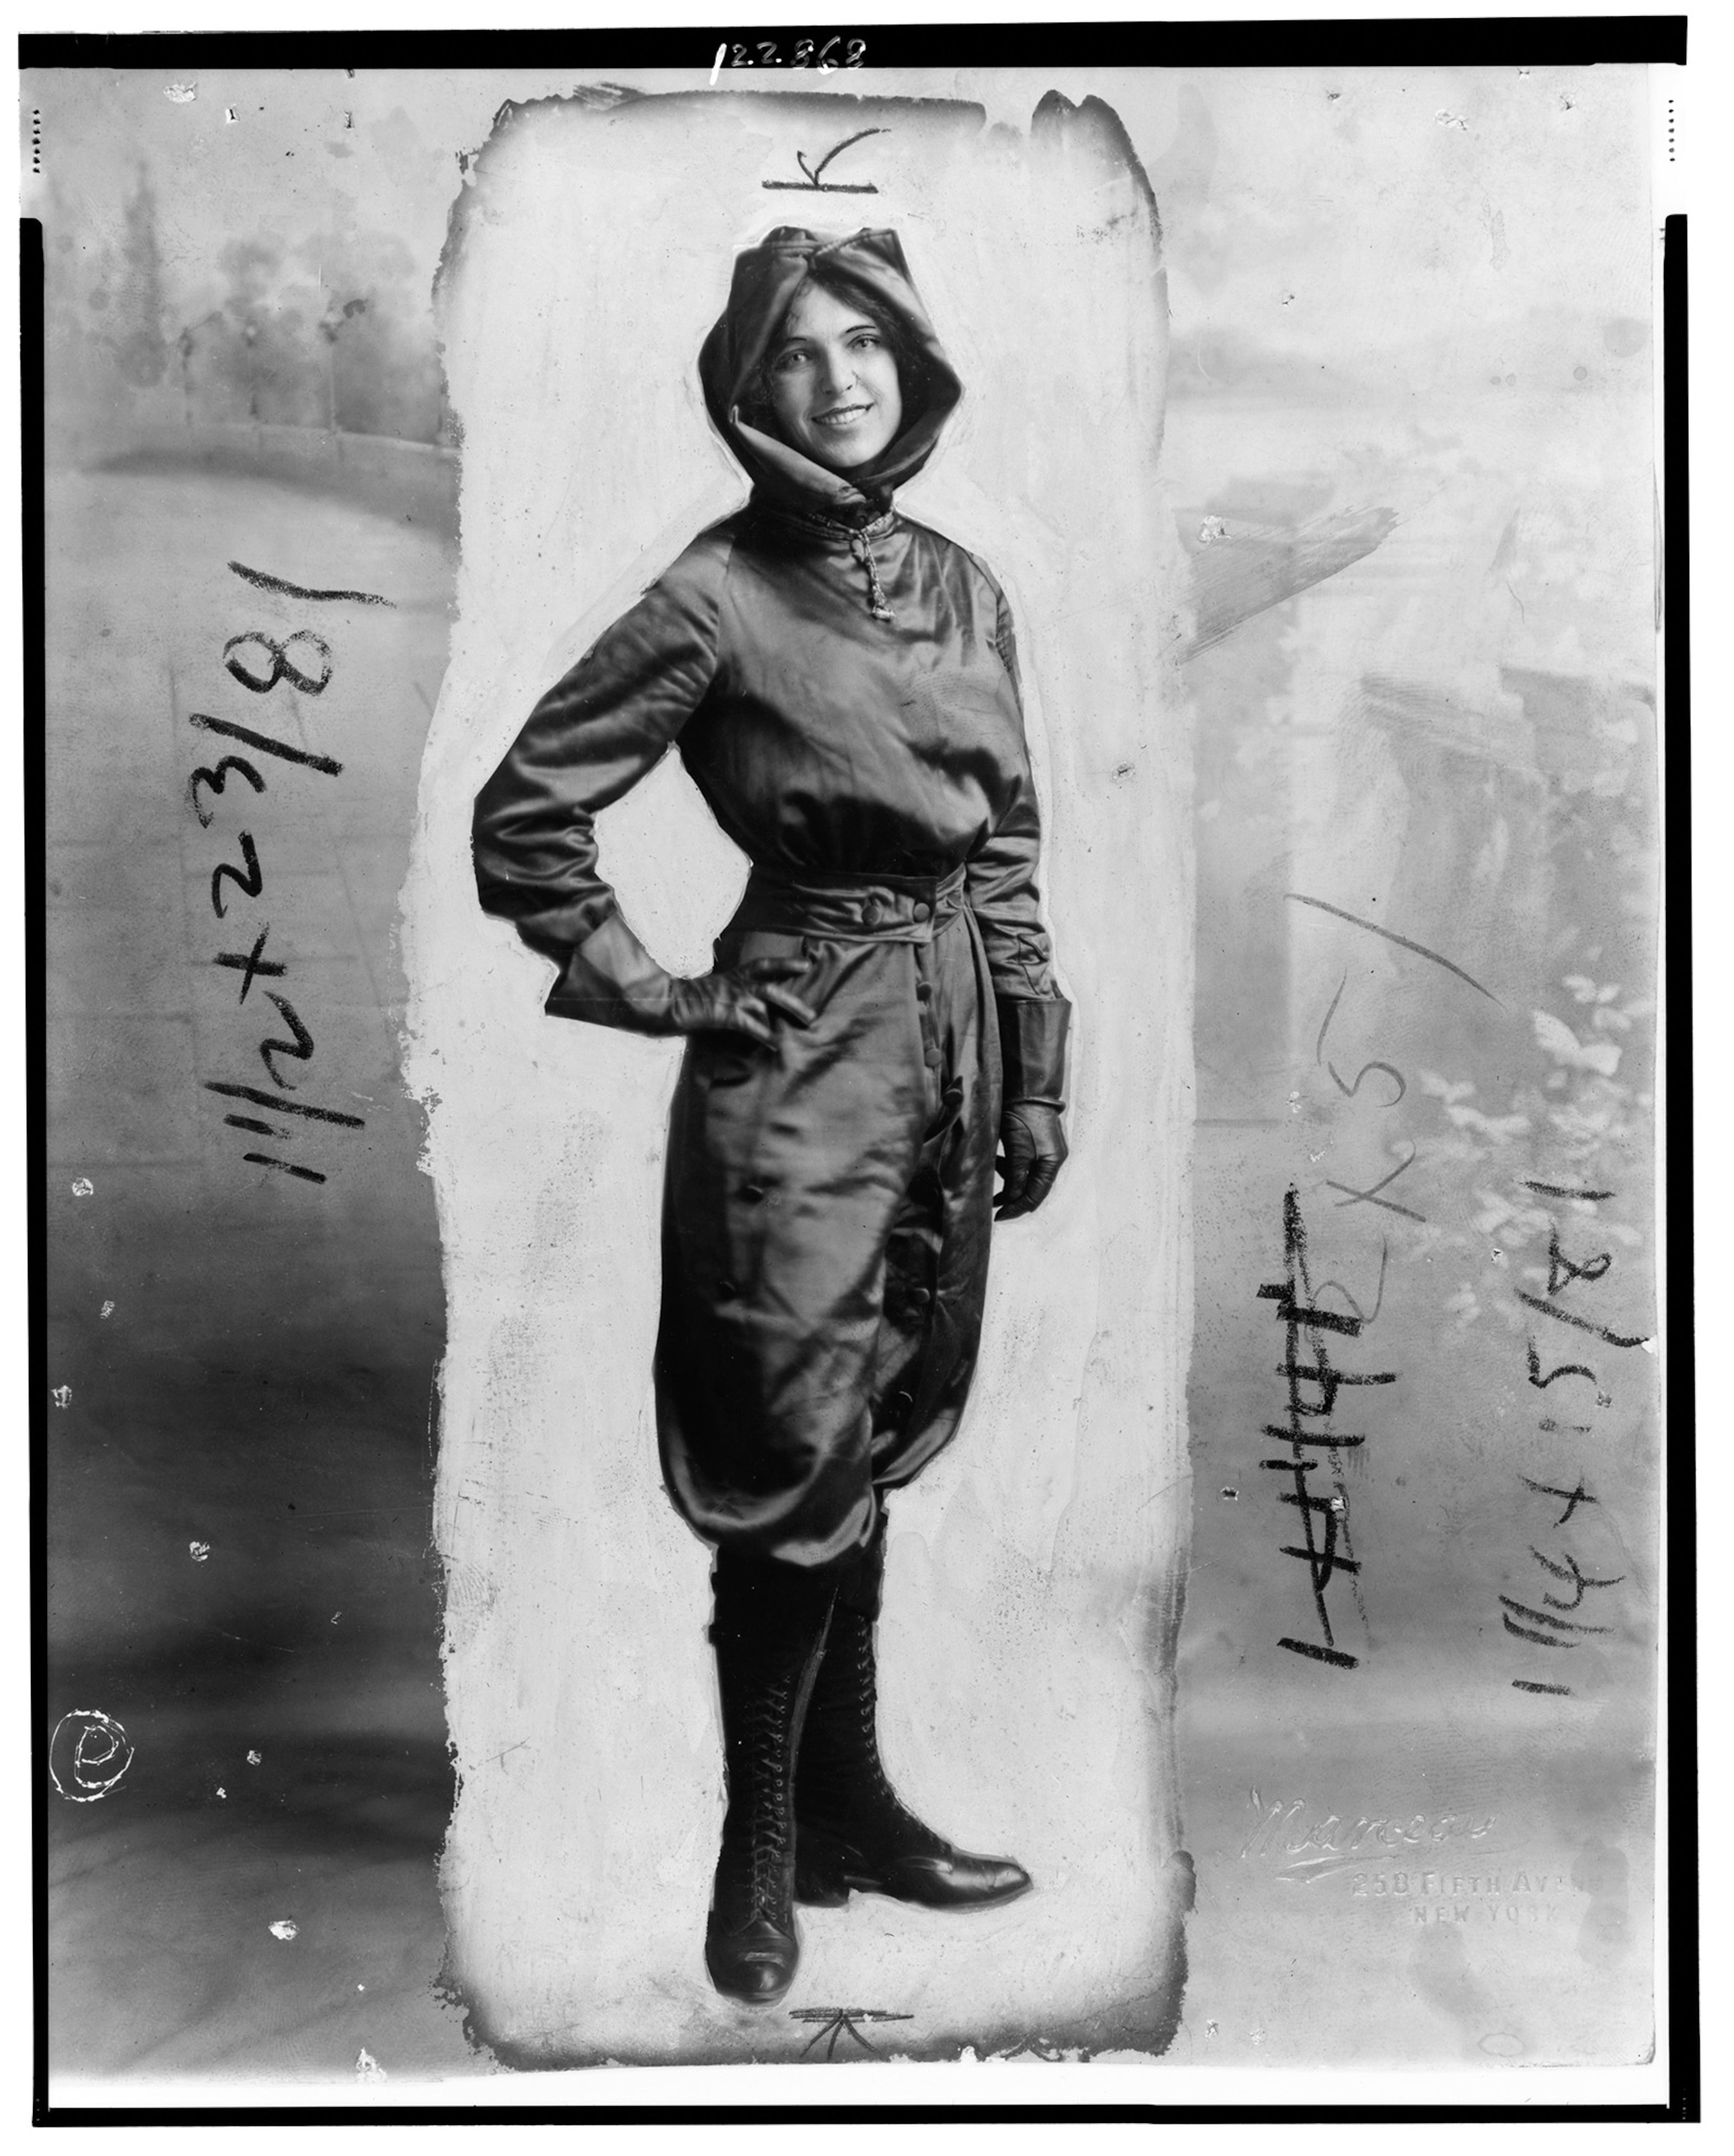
[(1558, 40)]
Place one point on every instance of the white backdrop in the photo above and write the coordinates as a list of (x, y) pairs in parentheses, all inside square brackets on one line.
[(1033, 1573)]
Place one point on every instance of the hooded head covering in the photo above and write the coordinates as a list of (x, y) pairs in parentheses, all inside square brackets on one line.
[(767, 278)]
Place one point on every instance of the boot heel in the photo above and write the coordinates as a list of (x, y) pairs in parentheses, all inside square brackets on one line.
[(819, 1880)]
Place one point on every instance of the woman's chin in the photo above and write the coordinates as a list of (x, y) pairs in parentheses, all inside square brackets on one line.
[(846, 454)]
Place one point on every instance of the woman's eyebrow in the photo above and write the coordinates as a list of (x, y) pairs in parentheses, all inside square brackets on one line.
[(853, 329)]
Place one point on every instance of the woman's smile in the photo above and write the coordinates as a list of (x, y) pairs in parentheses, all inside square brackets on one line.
[(833, 381)]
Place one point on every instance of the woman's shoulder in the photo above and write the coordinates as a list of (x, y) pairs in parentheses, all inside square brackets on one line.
[(957, 557), (706, 553), (954, 549), (698, 572)]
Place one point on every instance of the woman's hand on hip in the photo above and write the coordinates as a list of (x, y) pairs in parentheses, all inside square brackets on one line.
[(611, 978), (740, 999), (1032, 1151)]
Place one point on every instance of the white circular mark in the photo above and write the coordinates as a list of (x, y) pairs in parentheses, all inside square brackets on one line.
[(106, 1311), (198, 1551), (180, 93), (62, 1396), (283, 1929), (88, 1754), (254, 1758), (83, 1187)]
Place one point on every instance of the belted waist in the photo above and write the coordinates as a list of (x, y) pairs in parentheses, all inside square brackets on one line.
[(853, 909)]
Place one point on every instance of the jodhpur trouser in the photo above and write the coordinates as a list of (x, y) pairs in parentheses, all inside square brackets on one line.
[(826, 1220)]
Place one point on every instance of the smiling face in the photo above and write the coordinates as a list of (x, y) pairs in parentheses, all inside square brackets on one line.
[(833, 382)]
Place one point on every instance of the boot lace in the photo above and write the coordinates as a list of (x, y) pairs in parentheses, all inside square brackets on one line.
[(763, 1826), (844, 1773)]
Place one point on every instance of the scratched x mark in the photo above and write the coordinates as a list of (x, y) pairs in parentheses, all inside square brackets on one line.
[(836, 2021)]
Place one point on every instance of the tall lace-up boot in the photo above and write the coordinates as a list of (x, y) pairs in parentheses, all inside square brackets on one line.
[(768, 1634), (852, 1828)]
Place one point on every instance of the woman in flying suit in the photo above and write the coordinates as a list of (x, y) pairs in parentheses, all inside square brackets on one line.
[(842, 684)]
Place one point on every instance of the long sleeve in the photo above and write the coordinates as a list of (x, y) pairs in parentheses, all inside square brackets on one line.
[(1003, 893), (589, 741), (1034, 1015)]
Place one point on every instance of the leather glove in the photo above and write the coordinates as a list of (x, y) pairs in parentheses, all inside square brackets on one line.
[(611, 979), (1033, 1150), (739, 1001)]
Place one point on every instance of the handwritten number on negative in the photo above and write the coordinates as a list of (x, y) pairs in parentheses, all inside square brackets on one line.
[(1310, 1363), (283, 667), (1561, 1270), (215, 778), (250, 880), (1349, 1091), (1571, 1570), (1365, 1317), (300, 1048), (1563, 1370)]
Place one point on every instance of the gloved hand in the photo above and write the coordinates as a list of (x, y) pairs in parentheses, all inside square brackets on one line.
[(611, 979), (739, 1001), (1034, 1149)]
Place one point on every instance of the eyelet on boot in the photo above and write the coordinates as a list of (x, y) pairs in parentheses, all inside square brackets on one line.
[(768, 1640)]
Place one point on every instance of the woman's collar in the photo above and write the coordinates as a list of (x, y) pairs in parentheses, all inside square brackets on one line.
[(822, 520)]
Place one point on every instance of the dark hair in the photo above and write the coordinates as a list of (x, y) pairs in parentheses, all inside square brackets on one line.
[(913, 375)]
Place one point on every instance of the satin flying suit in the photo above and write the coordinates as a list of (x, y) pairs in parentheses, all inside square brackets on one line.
[(842, 684)]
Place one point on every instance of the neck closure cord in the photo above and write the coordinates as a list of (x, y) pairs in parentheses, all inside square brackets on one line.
[(861, 547)]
